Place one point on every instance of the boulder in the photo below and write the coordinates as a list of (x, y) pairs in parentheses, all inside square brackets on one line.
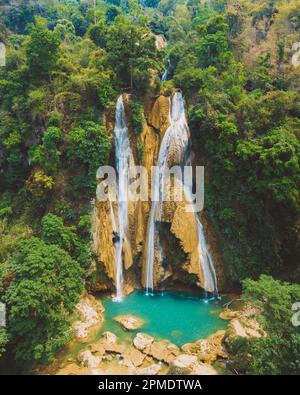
[(109, 337), (129, 322), (142, 340)]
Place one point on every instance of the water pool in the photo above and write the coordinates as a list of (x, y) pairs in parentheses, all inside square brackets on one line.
[(178, 317)]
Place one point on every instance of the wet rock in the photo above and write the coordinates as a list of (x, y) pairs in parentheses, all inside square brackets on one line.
[(141, 341), (91, 313), (129, 322)]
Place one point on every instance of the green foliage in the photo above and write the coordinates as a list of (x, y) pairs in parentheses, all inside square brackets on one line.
[(46, 286), (278, 353), (137, 115), (89, 144), (3, 340), (213, 47), (132, 51), (42, 51), (54, 232), (141, 151)]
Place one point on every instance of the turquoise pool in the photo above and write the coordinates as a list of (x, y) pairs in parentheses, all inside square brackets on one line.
[(178, 317)]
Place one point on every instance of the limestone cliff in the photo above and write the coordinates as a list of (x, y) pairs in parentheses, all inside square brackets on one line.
[(177, 227)]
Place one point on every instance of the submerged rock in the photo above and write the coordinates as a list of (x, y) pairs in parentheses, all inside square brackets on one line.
[(142, 340), (90, 311), (129, 322)]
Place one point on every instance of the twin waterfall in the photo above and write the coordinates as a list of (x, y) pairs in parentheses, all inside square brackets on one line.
[(177, 137)]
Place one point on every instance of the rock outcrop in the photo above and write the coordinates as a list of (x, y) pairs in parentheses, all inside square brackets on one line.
[(207, 350), (243, 324), (90, 313)]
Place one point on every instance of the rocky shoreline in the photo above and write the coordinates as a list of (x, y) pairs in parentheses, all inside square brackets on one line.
[(145, 355)]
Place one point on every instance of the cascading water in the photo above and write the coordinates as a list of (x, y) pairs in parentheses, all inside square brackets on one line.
[(124, 160), (177, 135), (166, 72)]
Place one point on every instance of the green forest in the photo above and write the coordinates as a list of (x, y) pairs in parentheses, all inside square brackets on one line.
[(67, 61)]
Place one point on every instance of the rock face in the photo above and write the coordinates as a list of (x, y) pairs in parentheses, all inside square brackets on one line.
[(129, 322), (91, 313)]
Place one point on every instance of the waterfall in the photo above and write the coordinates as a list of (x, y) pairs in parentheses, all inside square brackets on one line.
[(166, 72), (177, 135), (124, 160)]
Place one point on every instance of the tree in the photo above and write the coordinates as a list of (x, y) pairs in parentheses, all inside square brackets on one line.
[(45, 288), (111, 13), (90, 145), (54, 232), (132, 51), (213, 49), (42, 51)]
